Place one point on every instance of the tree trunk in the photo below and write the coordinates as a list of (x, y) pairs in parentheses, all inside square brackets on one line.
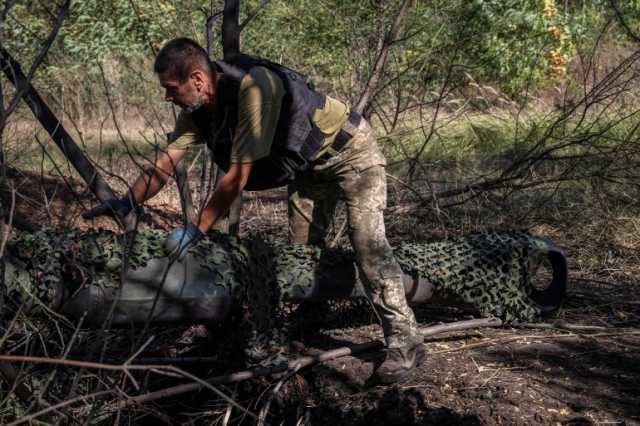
[(58, 133), (231, 28), (230, 47)]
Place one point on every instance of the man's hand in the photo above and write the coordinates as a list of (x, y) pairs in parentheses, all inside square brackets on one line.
[(120, 207), (180, 240)]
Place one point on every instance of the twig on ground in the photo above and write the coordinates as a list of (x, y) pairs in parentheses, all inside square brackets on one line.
[(258, 372), (265, 409), (461, 325), (561, 325), (177, 360), (126, 368), (47, 410), (306, 361), (534, 336), (11, 376), (295, 365)]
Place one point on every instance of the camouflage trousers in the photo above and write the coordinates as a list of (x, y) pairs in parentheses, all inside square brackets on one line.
[(356, 175)]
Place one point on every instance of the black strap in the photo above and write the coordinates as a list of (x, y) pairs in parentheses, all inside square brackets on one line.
[(345, 134)]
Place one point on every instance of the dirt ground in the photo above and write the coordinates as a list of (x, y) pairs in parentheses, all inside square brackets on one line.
[(550, 373), (495, 376)]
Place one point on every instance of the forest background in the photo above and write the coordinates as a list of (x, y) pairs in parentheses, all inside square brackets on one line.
[(515, 114), (482, 104), (493, 114)]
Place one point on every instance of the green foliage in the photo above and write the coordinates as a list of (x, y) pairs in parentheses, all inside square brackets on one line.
[(516, 45)]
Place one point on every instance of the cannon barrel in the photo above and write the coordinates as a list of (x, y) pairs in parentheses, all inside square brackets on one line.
[(166, 291)]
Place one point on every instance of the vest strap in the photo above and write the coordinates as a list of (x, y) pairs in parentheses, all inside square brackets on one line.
[(346, 133)]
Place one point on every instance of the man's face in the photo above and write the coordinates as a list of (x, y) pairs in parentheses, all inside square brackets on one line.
[(185, 94)]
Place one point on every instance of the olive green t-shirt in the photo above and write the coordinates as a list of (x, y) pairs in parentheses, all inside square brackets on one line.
[(259, 103)]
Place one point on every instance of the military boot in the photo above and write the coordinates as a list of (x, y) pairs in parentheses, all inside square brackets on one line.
[(399, 363)]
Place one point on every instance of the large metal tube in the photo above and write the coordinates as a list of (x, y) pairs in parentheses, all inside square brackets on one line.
[(161, 291), (166, 291)]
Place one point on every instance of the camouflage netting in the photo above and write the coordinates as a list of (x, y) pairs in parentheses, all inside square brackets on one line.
[(41, 270), (490, 270)]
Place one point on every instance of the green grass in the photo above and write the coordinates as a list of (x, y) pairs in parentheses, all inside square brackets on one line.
[(486, 142)]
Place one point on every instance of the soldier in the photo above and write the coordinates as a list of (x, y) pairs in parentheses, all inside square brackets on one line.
[(267, 128)]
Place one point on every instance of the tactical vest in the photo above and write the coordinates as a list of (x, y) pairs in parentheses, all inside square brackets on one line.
[(297, 139)]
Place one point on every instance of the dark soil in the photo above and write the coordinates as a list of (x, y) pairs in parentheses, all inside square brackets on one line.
[(526, 375)]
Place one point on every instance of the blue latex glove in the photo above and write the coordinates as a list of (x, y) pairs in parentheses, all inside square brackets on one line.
[(120, 207), (180, 240)]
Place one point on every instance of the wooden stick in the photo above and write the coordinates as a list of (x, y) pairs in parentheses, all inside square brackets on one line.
[(561, 325), (62, 404), (126, 368), (10, 375), (461, 325), (58, 133), (306, 361), (258, 372)]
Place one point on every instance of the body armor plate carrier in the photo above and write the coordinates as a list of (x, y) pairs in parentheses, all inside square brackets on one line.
[(297, 139)]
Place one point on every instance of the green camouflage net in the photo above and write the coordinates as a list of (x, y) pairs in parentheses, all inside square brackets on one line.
[(44, 265), (489, 271)]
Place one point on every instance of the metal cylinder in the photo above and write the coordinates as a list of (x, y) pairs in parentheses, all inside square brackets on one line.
[(165, 291), (161, 291)]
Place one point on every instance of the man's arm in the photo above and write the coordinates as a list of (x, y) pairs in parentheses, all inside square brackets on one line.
[(230, 187), (149, 183), (146, 186)]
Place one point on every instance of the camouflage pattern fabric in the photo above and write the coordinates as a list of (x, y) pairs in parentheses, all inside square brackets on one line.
[(48, 266), (490, 271), (356, 175), (249, 268)]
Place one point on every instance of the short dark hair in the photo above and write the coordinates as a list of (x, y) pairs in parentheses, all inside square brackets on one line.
[(180, 57)]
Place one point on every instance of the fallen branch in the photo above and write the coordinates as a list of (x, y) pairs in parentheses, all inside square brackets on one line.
[(534, 336), (178, 360), (126, 369), (461, 325), (240, 376), (62, 404), (265, 409), (299, 363), (11, 376), (561, 325)]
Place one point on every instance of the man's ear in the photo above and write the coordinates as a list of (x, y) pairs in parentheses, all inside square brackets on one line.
[(198, 78)]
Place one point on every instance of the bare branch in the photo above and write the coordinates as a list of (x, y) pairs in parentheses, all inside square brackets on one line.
[(145, 33), (252, 14), (623, 22), (211, 20), (57, 132), (125, 368), (62, 404), (22, 88), (306, 361), (378, 68)]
